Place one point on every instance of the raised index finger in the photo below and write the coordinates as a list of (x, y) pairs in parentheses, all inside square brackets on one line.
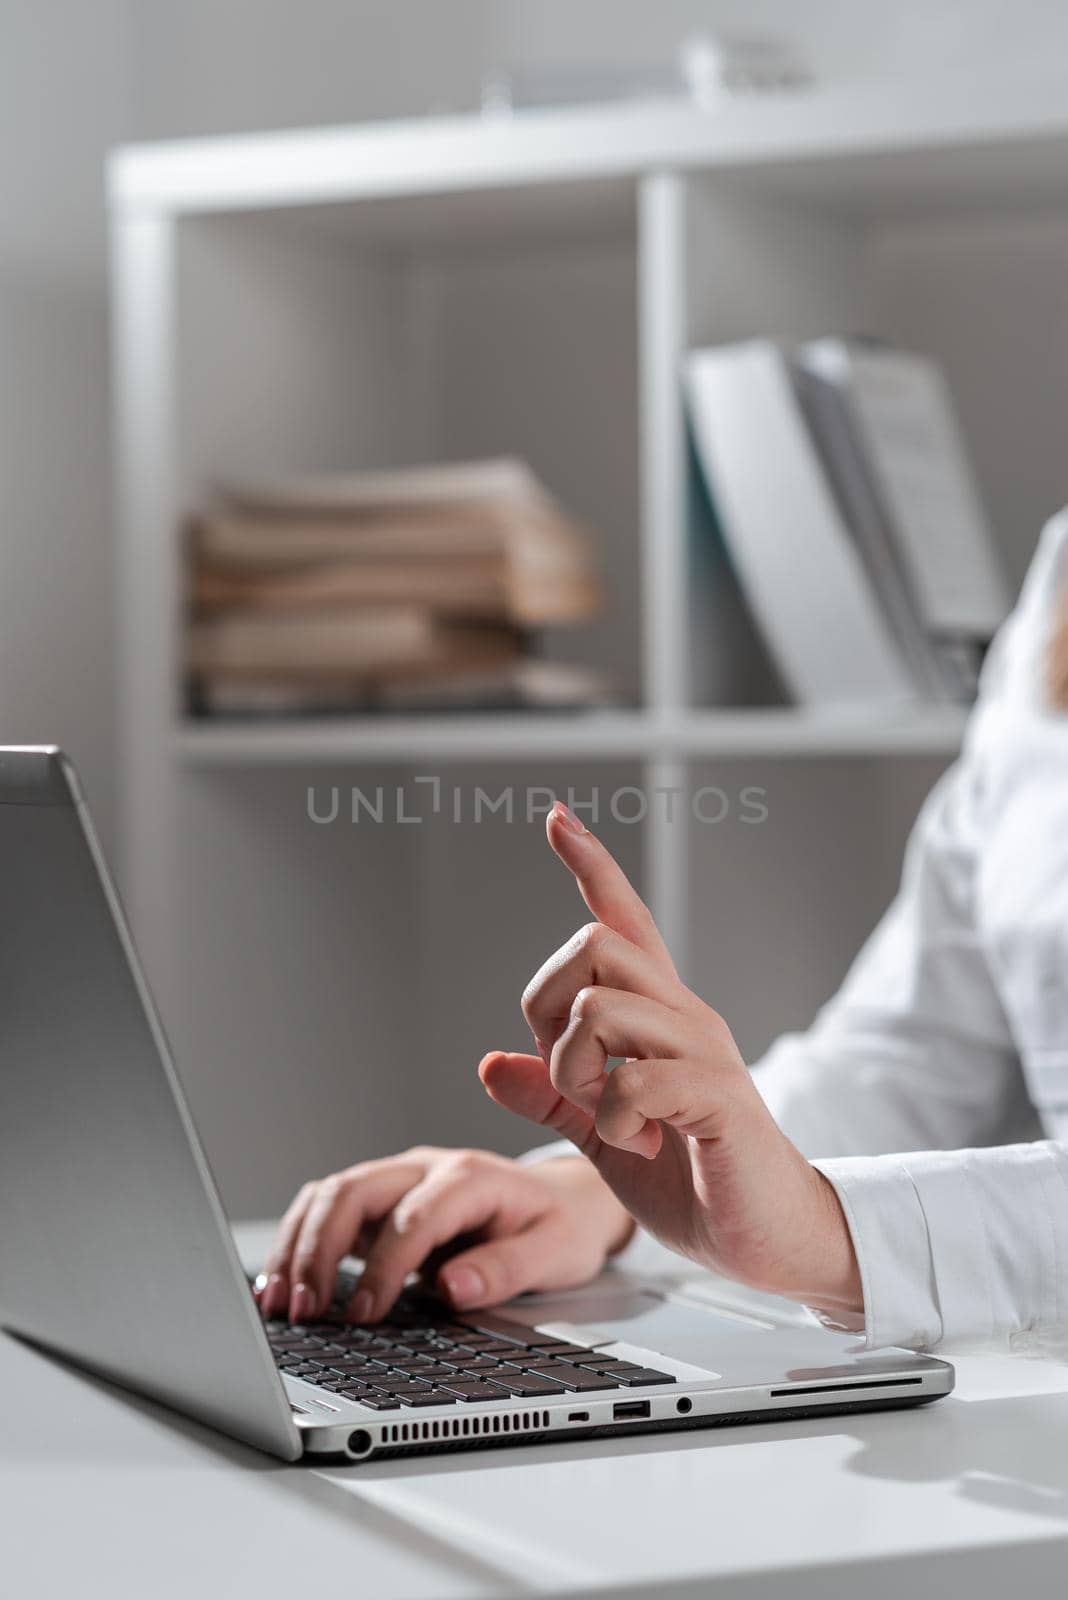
[(604, 885)]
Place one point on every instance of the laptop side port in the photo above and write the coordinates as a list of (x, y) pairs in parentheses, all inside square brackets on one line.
[(627, 1409), (578, 1416)]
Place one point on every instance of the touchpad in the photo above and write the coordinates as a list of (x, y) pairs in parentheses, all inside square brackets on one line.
[(684, 1333)]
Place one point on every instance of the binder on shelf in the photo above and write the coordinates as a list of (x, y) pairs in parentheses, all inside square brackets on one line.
[(884, 421), (796, 557), (836, 440), (908, 432)]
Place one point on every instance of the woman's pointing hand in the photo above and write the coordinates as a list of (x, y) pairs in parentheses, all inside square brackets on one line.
[(678, 1130)]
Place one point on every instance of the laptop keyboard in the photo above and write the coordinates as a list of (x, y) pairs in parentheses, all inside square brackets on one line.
[(416, 1360)]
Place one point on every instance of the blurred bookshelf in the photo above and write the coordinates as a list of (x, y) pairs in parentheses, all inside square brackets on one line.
[(454, 288)]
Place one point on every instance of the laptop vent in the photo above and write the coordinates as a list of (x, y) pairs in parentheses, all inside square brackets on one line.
[(463, 1427)]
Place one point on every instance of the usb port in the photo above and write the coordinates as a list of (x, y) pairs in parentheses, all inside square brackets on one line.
[(632, 1408)]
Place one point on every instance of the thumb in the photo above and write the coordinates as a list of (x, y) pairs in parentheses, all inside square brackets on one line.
[(522, 1084), (490, 1273)]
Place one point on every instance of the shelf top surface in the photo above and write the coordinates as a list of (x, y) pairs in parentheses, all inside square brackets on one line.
[(865, 132), (761, 733)]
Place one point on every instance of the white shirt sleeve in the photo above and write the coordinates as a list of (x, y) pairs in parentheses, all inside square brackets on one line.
[(914, 1051)]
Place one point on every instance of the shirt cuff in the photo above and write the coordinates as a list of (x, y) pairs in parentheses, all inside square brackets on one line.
[(889, 1231), (956, 1244)]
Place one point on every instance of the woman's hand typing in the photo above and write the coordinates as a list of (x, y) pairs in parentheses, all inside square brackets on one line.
[(509, 1228)]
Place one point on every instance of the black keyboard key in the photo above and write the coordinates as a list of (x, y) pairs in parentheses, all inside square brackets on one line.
[(379, 1402), (480, 1364), (611, 1364), (577, 1378), (638, 1379), (428, 1398), (472, 1389), (527, 1385), (508, 1332)]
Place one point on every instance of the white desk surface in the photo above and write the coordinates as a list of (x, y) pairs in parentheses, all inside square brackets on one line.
[(103, 1494)]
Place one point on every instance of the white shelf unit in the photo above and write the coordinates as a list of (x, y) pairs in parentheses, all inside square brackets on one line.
[(363, 296)]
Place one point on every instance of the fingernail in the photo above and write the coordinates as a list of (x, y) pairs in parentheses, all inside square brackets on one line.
[(463, 1285), (568, 817), (274, 1297), (260, 1284), (363, 1304), (302, 1304)]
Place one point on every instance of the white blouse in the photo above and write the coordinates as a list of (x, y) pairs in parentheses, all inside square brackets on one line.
[(949, 1035)]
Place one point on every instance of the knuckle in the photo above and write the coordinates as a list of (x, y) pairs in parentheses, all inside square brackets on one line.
[(501, 1275), (349, 1177), (530, 994), (588, 1004), (592, 937), (715, 1026), (304, 1264), (466, 1164)]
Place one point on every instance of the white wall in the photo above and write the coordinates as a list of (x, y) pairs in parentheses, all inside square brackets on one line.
[(62, 85)]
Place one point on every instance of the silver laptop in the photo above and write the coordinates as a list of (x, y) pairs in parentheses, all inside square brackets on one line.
[(115, 1252)]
